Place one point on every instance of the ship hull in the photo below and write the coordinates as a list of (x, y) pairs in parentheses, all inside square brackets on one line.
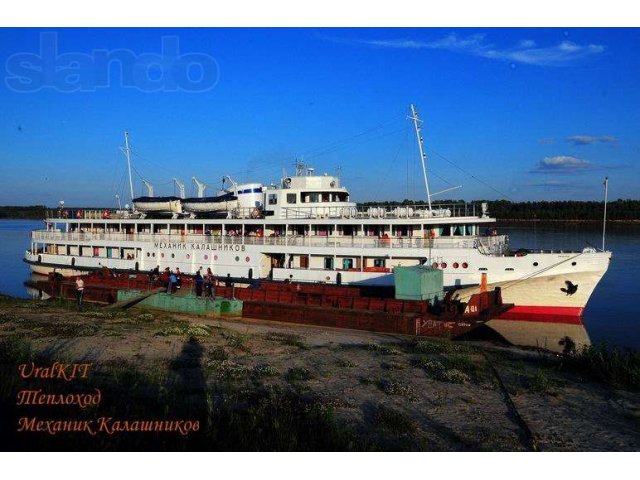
[(539, 295)]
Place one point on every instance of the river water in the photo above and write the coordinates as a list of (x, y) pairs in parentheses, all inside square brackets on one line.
[(612, 314)]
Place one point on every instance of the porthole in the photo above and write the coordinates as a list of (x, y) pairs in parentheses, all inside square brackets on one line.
[(435, 264), (444, 264), (465, 265), (153, 254), (188, 256), (573, 264), (148, 254), (247, 259), (535, 264), (237, 259), (215, 257), (206, 257), (173, 255), (455, 265), (508, 269), (162, 255)]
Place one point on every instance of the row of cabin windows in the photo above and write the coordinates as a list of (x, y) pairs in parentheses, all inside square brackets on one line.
[(292, 198)]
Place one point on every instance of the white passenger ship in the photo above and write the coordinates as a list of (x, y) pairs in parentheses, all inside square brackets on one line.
[(306, 229)]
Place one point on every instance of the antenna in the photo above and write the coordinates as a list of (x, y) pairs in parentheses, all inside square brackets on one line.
[(423, 156), (180, 187), (200, 186), (604, 221), (149, 187), (127, 151)]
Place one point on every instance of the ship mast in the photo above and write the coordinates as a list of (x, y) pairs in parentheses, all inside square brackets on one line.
[(127, 152), (604, 220), (423, 156)]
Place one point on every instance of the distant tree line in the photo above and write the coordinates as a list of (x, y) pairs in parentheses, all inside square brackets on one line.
[(36, 212), (557, 210)]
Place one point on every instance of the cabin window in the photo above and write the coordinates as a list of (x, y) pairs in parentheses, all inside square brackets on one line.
[(509, 269), (326, 197), (347, 263), (304, 261), (313, 198), (273, 199), (378, 262), (291, 198), (328, 263)]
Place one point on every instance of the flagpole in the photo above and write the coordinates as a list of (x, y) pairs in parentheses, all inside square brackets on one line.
[(604, 221)]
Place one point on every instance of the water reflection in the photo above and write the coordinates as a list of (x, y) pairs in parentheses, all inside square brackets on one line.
[(552, 336)]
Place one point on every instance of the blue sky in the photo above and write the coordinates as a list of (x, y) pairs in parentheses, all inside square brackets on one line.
[(521, 114)]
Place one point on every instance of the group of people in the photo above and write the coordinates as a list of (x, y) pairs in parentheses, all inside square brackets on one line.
[(173, 281), (207, 281)]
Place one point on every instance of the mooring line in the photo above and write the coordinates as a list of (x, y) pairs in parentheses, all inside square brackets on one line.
[(531, 438)]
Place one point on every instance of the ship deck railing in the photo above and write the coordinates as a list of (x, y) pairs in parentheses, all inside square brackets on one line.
[(368, 211), (486, 244), (381, 211)]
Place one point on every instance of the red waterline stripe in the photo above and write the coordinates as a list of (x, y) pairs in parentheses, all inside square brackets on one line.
[(525, 313)]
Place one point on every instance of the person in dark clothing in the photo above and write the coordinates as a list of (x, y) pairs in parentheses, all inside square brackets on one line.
[(178, 278), (199, 282), (173, 282), (208, 283)]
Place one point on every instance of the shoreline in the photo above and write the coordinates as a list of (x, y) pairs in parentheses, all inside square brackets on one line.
[(308, 388)]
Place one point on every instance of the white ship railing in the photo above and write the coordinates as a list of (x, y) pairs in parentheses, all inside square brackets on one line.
[(371, 211), (379, 211), (487, 245)]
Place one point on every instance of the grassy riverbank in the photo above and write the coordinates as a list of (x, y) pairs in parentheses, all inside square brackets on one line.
[(267, 386)]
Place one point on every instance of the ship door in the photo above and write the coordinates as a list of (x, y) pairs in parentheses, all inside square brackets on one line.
[(277, 261)]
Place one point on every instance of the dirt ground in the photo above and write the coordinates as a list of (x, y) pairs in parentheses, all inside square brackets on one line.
[(386, 392)]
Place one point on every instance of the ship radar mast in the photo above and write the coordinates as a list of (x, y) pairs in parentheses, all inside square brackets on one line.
[(423, 156), (127, 151)]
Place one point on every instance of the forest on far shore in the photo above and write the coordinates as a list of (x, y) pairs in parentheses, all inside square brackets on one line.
[(617, 210)]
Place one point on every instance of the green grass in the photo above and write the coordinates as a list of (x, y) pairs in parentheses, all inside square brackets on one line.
[(540, 382), (611, 366), (287, 339), (394, 387), (383, 348), (394, 420), (298, 374)]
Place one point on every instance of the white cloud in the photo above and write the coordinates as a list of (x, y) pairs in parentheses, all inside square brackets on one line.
[(526, 51), (589, 139), (562, 164)]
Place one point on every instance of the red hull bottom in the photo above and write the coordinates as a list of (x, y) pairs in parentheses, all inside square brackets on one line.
[(525, 313)]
